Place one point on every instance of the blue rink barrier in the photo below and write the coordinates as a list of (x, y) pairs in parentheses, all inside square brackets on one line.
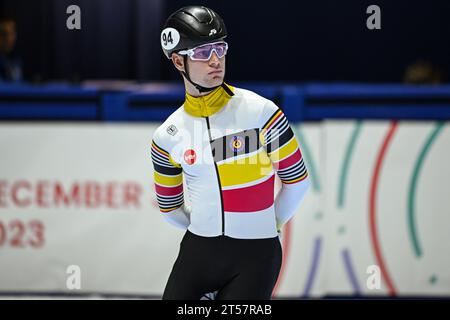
[(306, 102), (356, 101), (49, 102)]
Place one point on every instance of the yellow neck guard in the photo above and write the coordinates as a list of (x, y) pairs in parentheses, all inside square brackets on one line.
[(209, 104)]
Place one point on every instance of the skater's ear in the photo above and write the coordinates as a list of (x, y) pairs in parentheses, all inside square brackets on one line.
[(178, 61)]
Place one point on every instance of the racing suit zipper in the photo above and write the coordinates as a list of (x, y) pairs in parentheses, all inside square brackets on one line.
[(218, 177)]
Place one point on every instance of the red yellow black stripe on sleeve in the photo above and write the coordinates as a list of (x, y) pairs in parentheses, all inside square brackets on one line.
[(283, 149), (168, 180)]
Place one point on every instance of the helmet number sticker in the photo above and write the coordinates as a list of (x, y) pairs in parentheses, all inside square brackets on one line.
[(169, 38)]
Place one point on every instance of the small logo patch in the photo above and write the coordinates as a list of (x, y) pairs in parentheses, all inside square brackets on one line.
[(172, 130), (190, 156), (237, 143), (213, 31)]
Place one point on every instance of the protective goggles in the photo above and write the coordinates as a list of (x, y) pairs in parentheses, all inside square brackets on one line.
[(205, 51)]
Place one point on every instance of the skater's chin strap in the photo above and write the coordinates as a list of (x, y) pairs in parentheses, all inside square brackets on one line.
[(200, 88)]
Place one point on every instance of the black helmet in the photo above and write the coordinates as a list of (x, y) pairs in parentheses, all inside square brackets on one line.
[(190, 27)]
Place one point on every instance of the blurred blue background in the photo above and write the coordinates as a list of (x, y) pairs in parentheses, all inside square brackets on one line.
[(298, 41)]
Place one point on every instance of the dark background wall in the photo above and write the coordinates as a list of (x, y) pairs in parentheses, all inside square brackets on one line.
[(321, 40)]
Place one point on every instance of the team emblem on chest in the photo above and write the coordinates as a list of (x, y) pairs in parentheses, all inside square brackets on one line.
[(237, 143), (190, 156)]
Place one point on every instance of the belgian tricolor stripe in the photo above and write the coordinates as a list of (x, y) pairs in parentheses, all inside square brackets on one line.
[(245, 170), (168, 180), (250, 199)]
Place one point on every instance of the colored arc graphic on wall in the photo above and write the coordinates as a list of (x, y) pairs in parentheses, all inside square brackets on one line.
[(346, 256), (412, 226), (372, 208), (343, 178), (346, 163), (413, 187), (313, 268), (315, 182), (306, 152), (286, 235), (286, 240), (312, 172)]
